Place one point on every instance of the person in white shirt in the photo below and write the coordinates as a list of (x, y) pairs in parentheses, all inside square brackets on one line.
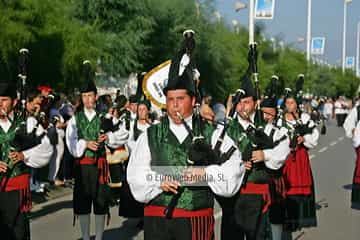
[(165, 147), (340, 110), (300, 202), (352, 130), (86, 136), (248, 216), (21, 147), (328, 109)]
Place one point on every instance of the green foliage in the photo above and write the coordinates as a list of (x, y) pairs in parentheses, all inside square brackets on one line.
[(124, 36)]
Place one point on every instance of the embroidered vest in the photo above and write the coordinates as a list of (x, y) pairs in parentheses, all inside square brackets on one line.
[(5, 148), (167, 151), (89, 131)]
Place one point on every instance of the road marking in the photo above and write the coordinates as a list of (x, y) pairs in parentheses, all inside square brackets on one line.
[(218, 214), (323, 149), (341, 138), (333, 143), (302, 233), (312, 156)]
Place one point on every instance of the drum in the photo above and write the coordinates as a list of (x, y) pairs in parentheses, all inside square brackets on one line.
[(116, 159)]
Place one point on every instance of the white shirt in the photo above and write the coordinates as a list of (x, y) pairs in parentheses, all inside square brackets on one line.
[(142, 127), (38, 156), (328, 108), (352, 127), (139, 167), (340, 107), (77, 146)]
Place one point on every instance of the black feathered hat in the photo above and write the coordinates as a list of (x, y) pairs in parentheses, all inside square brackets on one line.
[(88, 84), (246, 83), (271, 93), (133, 99), (297, 93), (247, 87), (182, 73)]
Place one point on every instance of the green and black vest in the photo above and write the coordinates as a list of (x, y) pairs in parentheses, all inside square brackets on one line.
[(5, 148), (89, 131), (235, 131), (166, 150)]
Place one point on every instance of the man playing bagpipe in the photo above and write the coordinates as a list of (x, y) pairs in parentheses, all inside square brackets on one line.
[(181, 140), (22, 145), (352, 130), (277, 184), (264, 148), (86, 135), (298, 176)]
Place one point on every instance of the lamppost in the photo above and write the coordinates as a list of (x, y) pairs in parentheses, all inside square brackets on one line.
[(273, 43), (357, 50), (344, 34), (308, 35), (235, 24), (217, 15), (238, 7)]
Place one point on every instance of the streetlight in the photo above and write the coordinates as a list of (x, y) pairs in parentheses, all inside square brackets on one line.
[(344, 34), (238, 7), (308, 43), (217, 15), (357, 50), (282, 45), (235, 24), (272, 40)]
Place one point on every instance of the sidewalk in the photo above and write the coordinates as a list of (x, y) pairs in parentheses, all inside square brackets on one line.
[(51, 193)]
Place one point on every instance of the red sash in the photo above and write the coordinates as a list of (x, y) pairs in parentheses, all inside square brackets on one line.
[(19, 183), (102, 166), (158, 211), (297, 173), (261, 189)]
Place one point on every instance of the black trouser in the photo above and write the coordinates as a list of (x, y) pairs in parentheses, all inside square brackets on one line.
[(159, 228), (340, 119), (14, 225), (66, 166), (229, 229), (86, 191), (246, 219)]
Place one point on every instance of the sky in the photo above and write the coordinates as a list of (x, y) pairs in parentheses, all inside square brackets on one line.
[(290, 22)]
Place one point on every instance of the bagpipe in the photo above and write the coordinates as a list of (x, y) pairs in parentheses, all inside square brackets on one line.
[(299, 128), (22, 139), (258, 139)]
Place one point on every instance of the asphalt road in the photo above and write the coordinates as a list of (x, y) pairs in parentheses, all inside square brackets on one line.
[(333, 165)]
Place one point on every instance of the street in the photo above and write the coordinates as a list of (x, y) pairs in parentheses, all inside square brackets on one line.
[(332, 163)]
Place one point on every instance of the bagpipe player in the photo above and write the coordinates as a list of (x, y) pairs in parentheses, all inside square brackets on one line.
[(170, 143), (86, 135), (22, 146)]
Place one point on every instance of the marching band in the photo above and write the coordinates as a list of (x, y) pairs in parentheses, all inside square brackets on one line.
[(125, 155)]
